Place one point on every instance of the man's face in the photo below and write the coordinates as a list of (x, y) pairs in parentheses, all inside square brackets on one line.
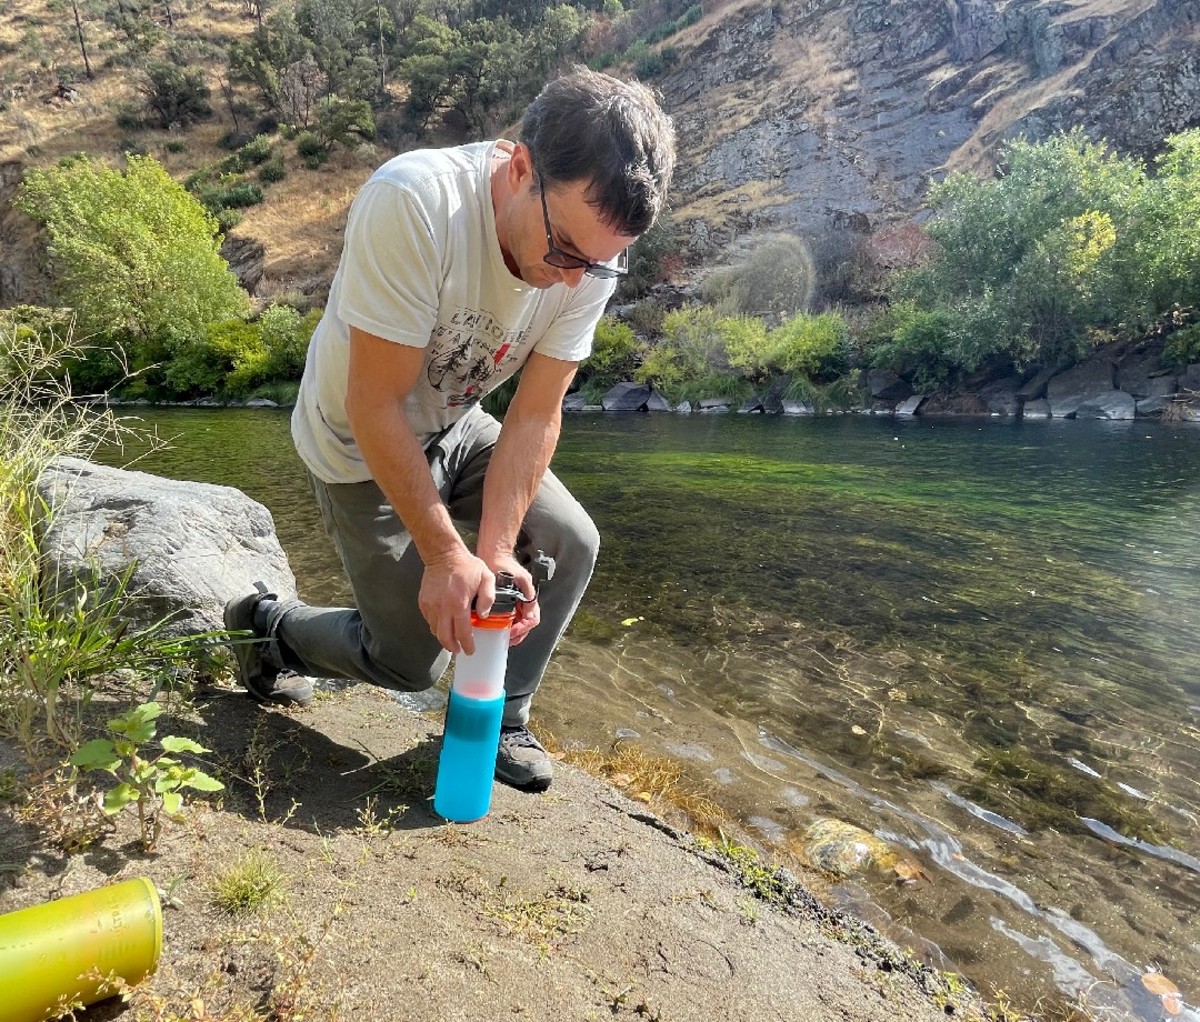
[(574, 228)]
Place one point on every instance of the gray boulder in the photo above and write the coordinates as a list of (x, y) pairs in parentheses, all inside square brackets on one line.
[(885, 385), (713, 404), (798, 408), (1068, 390), (1140, 373), (910, 405), (1156, 404), (192, 546), (634, 397), (1114, 405), (1039, 409), (1035, 387), (1190, 380), (1001, 396)]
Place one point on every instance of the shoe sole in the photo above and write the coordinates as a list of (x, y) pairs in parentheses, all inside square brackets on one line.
[(534, 785)]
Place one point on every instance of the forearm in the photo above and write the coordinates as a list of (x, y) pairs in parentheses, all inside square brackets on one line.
[(400, 468), (519, 461)]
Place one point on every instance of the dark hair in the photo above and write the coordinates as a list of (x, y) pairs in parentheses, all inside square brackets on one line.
[(588, 126)]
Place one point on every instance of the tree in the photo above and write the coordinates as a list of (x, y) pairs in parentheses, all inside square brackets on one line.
[(348, 121), (175, 94), (134, 253)]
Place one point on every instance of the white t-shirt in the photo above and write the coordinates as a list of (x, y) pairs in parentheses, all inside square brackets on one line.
[(421, 265)]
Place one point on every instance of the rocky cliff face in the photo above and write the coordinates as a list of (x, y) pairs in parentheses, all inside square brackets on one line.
[(827, 117)]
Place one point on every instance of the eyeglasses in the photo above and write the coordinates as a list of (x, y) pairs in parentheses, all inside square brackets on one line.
[(565, 261)]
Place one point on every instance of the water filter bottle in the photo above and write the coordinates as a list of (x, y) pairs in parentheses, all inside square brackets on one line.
[(463, 791)]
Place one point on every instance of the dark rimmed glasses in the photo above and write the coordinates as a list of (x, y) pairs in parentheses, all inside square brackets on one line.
[(561, 260)]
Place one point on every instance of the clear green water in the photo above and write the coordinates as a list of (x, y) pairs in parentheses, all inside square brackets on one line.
[(977, 640)]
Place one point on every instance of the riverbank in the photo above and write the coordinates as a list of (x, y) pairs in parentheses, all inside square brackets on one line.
[(578, 904)]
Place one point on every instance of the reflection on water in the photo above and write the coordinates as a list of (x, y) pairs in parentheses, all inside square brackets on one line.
[(977, 641)]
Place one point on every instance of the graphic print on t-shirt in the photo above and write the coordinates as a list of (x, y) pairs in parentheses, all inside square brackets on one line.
[(466, 353)]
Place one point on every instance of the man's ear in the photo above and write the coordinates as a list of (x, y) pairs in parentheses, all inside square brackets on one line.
[(520, 167)]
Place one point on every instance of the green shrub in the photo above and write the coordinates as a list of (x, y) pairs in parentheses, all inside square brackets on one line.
[(310, 146), (176, 95), (228, 219), (914, 342), (1183, 347), (229, 357), (649, 258), (815, 346), (691, 349), (272, 170), (614, 358), (256, 151), (285, 334)]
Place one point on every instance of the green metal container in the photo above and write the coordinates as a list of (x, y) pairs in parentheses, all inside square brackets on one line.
[(61, 953)]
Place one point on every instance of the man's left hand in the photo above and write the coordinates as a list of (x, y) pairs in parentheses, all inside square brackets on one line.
[(529, 614)]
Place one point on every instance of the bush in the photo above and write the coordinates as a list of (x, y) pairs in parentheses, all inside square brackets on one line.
[(1183, 347), (309, 146), (175, 94), (256, 151), (815, 346), (134, 253), (228, 219), (614, 358), (229, 357), (775, 280), (648, 259), (285, 334), (272, 170)]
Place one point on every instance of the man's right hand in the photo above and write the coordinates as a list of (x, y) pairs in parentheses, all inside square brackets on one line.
[(448, 586)]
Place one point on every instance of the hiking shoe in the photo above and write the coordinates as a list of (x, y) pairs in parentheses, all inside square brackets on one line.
[(262, 679), (521, 761)]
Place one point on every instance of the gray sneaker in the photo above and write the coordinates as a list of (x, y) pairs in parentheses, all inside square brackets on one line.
[(521, 762), (262, 679)]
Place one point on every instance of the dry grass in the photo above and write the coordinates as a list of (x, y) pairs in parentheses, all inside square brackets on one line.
[(715, 206), (655, 780)]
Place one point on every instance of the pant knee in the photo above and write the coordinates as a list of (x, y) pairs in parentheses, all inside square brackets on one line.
[(406, 663)]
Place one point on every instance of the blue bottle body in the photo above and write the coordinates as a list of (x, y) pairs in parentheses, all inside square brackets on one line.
[(463, 791)]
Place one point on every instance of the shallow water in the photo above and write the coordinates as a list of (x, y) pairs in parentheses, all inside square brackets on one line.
[(976, 640)]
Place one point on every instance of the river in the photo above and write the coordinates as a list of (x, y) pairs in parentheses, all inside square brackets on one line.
[(975, 639)]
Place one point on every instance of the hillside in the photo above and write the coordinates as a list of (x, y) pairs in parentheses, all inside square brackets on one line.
[(824, 118)]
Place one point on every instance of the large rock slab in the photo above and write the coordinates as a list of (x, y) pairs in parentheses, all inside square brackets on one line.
[(1116, 405), (885, 385), (191, 546), (634, 397), (1087, 380)]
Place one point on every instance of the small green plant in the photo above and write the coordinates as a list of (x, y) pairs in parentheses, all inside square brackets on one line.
[(250, 885), (154, 783)]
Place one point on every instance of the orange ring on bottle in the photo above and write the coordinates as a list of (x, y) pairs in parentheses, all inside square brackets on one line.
[(493, 622)]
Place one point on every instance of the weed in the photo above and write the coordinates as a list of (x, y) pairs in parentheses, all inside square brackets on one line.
[(68, 819), (370, 822), (154, 783), (250, 885)]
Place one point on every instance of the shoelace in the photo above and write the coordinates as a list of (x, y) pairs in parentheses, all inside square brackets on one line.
[(519, 736)]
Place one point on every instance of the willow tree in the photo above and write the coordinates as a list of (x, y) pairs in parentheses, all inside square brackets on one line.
[(132, 252)]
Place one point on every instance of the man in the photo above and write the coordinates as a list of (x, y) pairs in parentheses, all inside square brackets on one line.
[(461, 266)]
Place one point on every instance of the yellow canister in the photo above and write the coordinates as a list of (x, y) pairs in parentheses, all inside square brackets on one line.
[(55, 954)]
